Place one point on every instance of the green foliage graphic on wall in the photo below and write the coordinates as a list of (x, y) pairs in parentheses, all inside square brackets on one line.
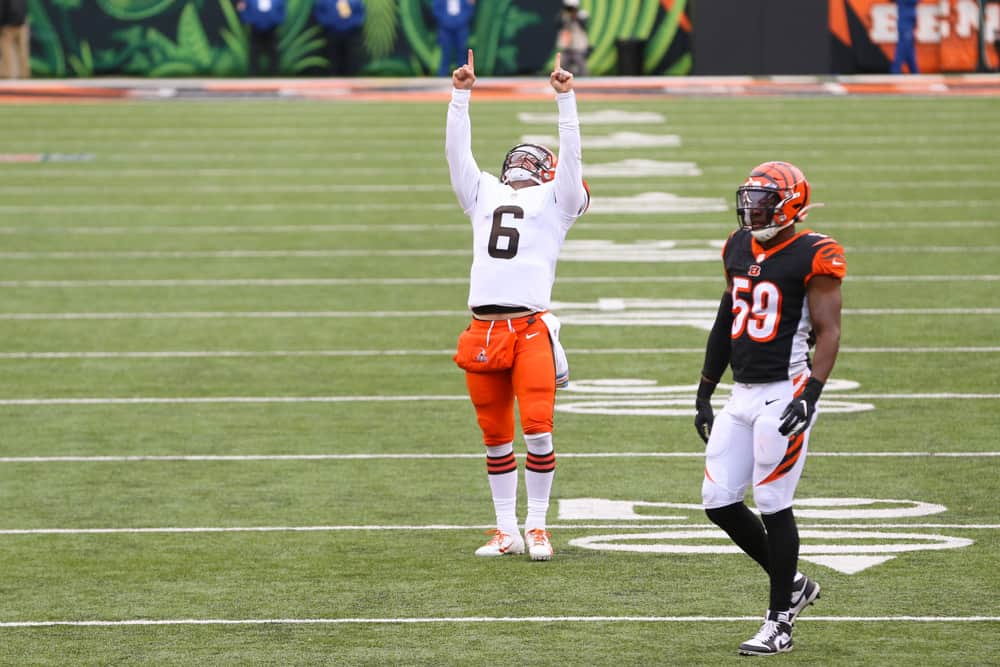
[(494, 36), (85, 38), (655, 22), (381, 27), (134, 10), (208, 39)]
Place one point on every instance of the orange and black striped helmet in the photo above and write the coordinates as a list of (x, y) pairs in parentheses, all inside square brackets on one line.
[(775, 195)]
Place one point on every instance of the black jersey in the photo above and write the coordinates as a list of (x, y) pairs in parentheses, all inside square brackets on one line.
[(772, 331)]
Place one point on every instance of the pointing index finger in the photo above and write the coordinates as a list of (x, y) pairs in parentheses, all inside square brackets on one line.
[(471, 61), (558, 65)]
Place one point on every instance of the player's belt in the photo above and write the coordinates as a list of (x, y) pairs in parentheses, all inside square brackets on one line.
[(503, 316), (494, 312)]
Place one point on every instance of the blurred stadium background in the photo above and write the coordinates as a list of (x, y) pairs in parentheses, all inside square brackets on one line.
[(204, 38)]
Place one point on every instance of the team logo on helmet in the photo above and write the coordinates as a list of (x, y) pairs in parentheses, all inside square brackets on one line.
[(775, 195), (528, 162)]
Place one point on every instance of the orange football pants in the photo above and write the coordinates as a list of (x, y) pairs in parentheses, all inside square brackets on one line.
[(531, 380)]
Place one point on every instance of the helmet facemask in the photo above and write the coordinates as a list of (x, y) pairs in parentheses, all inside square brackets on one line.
[(528, 162), (759, 210)]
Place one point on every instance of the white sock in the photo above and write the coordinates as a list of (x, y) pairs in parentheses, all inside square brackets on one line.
[(538, 474), (503, 486)]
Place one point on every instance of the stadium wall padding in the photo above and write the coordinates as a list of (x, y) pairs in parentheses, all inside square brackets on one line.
[(757, 37)]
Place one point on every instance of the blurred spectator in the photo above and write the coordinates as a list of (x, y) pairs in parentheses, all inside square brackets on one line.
[(453, 20), (14, 40), (906, 23), (264, 17), (343, 21), (572, 40)]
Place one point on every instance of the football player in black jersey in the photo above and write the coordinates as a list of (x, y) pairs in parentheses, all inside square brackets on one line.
[(782, 301)]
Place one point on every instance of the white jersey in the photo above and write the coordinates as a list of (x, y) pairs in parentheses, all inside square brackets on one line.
[(516, 234)]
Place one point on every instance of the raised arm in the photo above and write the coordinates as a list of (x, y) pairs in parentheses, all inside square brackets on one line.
[(571, 197), (458, 138)]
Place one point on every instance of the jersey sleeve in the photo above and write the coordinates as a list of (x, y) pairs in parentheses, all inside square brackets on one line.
[(465, 174), (572, 196), (828, 260)]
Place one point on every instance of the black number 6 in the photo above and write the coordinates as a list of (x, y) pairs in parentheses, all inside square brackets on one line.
[(510, 233)]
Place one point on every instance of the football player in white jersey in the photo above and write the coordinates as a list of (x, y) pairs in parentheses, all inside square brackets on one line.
[(782, 302), (511, 348)]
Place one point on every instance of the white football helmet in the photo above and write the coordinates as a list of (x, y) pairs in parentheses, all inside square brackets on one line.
[(528, 162)]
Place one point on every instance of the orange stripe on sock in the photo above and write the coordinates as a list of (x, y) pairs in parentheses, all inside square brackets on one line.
[(543, 463), (498, 465)]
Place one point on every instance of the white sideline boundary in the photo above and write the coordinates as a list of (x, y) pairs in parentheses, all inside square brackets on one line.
[(491, 619)]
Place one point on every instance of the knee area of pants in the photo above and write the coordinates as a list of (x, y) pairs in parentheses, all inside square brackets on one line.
[(495, 433), (714, 496), (531, 424), (769, 501)]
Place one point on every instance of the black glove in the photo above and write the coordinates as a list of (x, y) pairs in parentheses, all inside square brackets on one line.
[(704, 417), (799, 413)]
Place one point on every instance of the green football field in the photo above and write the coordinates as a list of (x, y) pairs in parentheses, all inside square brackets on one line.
[(232, 432)]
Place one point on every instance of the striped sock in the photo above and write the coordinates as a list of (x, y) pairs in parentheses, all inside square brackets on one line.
[(501, 467), (539, 470)]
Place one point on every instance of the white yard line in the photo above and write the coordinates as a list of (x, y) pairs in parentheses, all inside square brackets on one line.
[(202, 315), (460, 620), (380, 314), (177, 400), (35, 172), (174, 530), (381, 228), (236, 458), (50, 188), (423, 281), (269, 207), (281, 206), (222, 354), (239, 253), (149, 400), (949, 143)]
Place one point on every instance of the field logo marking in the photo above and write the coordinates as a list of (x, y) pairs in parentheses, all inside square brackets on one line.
[(638, 397), (847, 551)]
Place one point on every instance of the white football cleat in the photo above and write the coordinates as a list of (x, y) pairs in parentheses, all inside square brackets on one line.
[(804, 593), (539, 546), (502, 544), (774, 637)]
